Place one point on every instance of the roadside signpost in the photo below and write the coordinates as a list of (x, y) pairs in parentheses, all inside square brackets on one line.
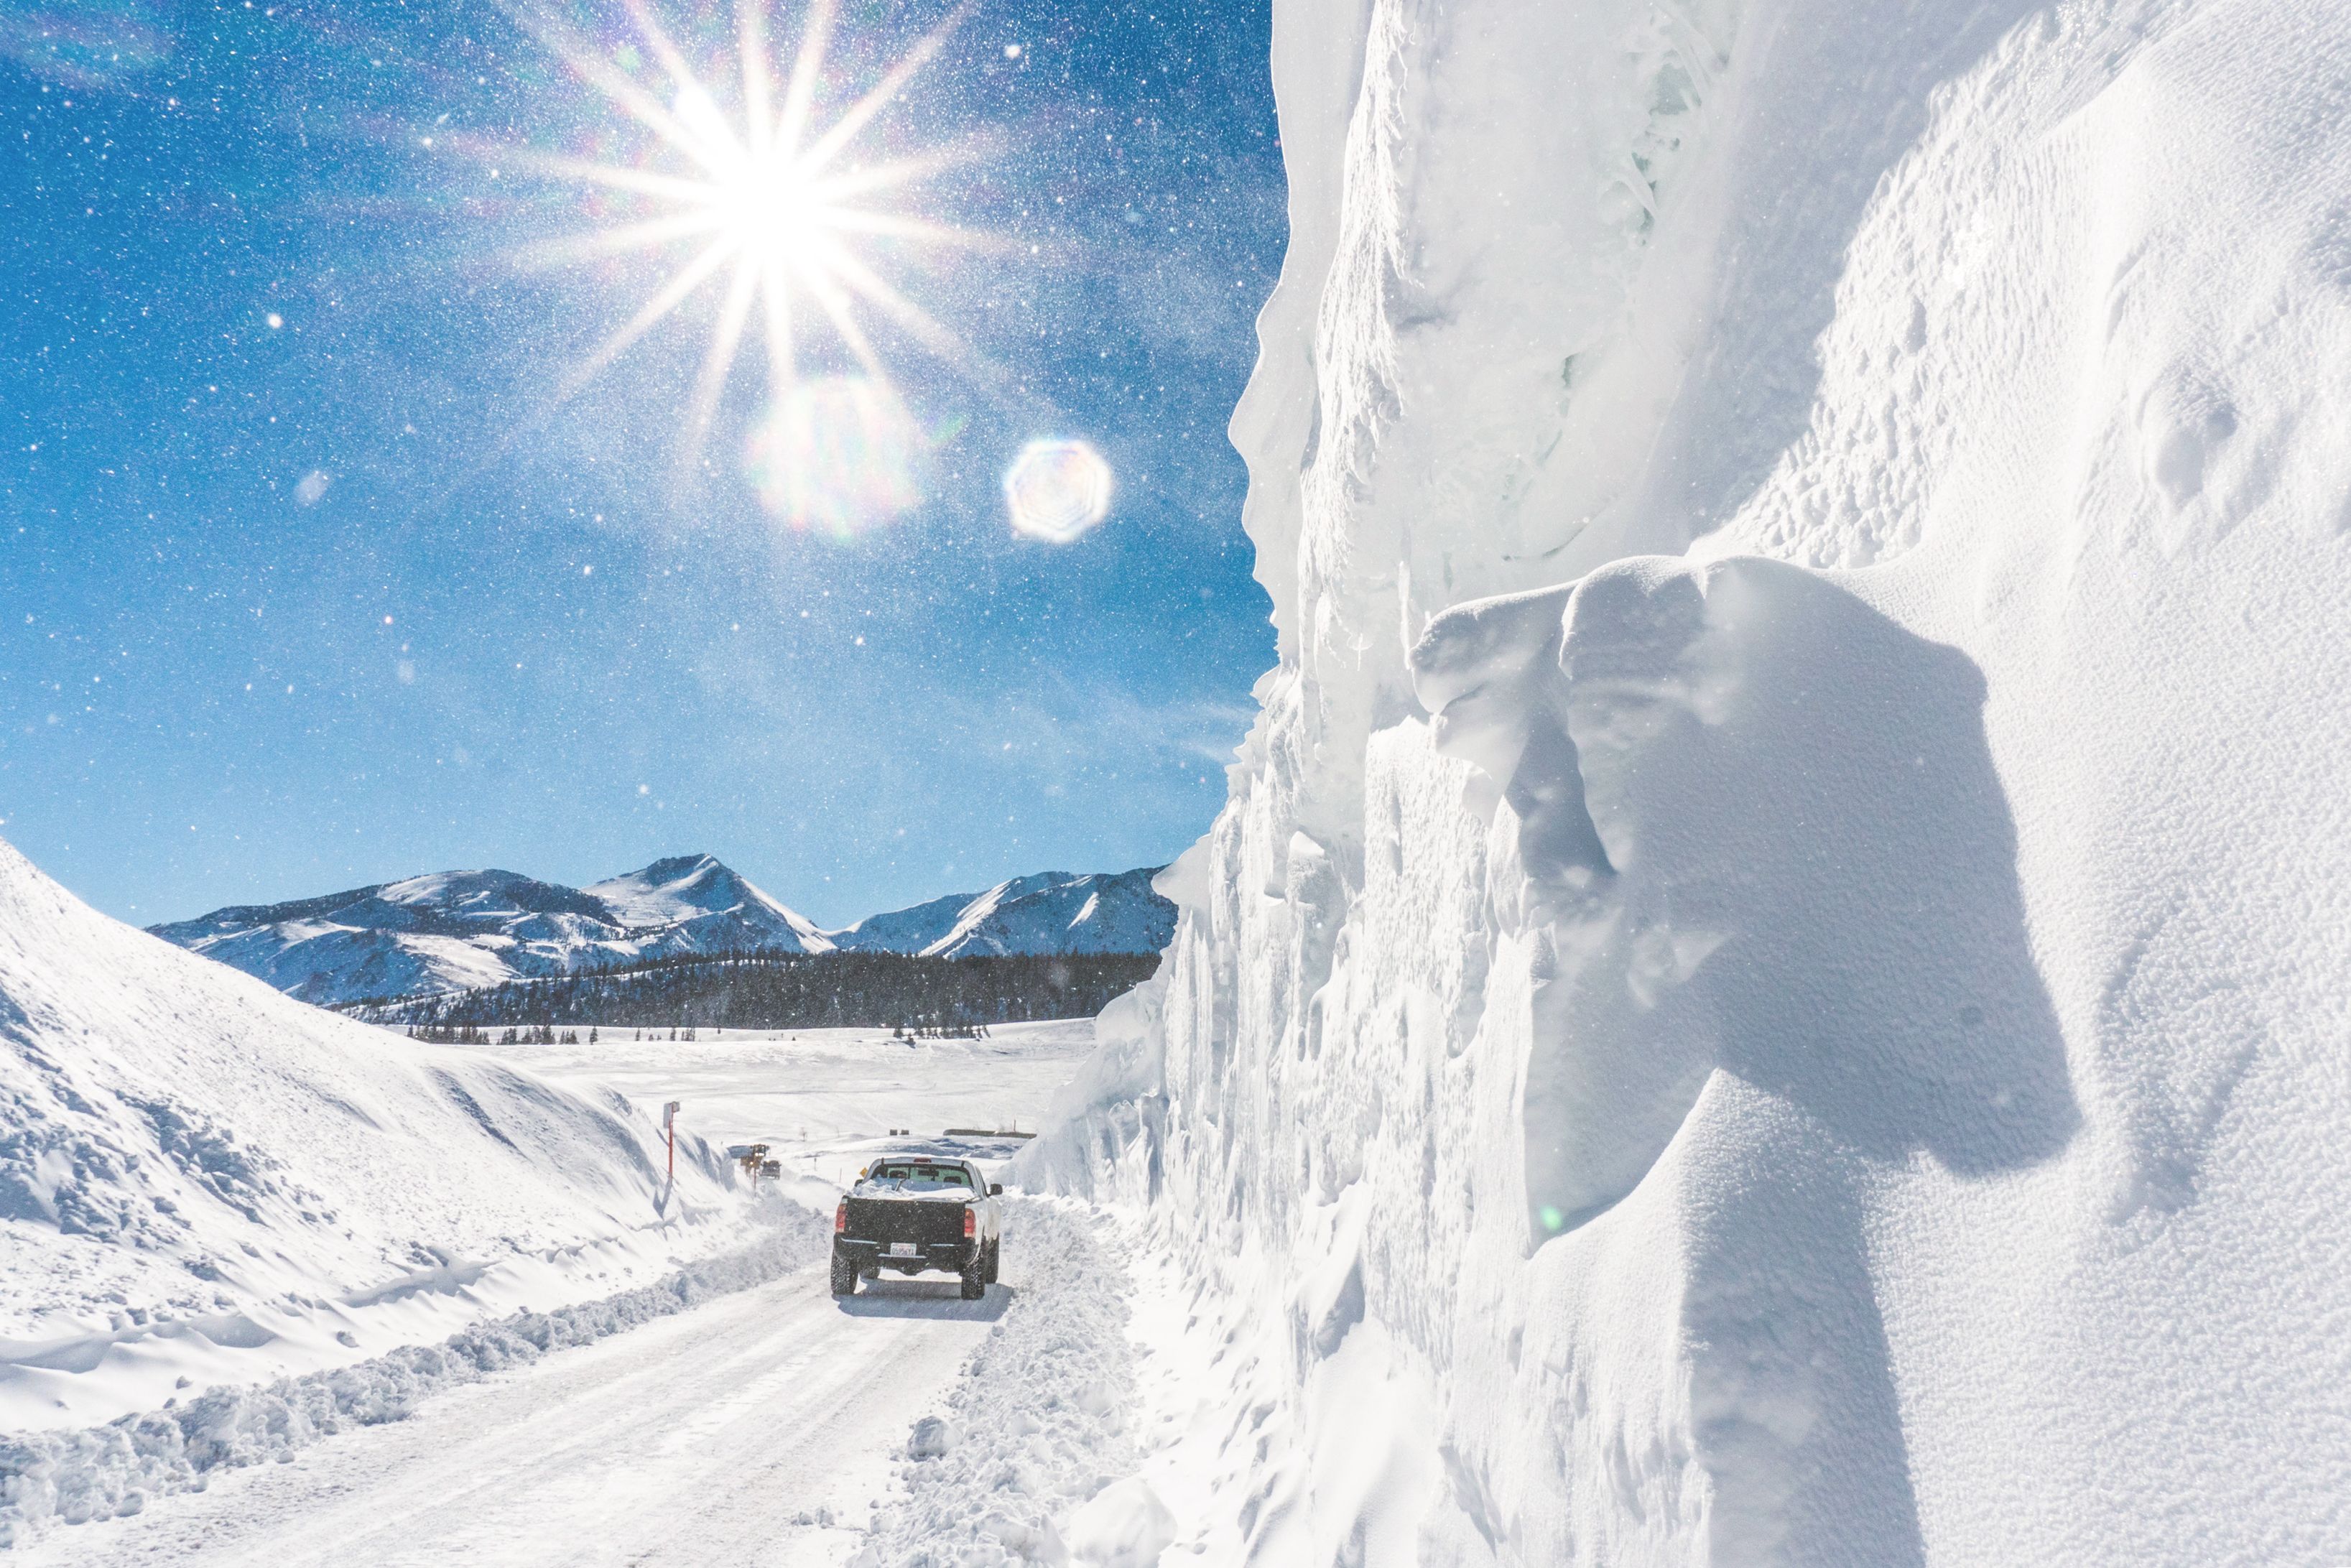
[(669, 1126)]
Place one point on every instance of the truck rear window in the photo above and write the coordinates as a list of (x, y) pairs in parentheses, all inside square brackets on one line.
[(918, 1175)]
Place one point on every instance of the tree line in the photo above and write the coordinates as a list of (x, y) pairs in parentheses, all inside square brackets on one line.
[(784, 991)]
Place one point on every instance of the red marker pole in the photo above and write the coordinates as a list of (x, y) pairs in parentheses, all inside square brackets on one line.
[(669, 1125)]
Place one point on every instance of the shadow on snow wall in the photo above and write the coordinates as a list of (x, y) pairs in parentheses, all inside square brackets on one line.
[(1774, 903)]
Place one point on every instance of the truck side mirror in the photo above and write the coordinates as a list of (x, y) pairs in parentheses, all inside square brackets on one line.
[(995, 1190)]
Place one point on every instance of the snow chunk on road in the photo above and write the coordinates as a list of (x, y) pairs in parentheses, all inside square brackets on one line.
[(933, 1436), (1125, 1526)]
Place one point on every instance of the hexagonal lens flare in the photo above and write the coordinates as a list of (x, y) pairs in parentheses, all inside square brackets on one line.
[(1057, 490)]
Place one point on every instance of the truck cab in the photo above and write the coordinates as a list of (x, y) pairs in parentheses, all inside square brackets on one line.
[(911, 1214)]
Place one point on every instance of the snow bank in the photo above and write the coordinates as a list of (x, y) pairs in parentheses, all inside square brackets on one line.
[(110, 1471), (1030, 1461), (202, 1182), (1772, 986)]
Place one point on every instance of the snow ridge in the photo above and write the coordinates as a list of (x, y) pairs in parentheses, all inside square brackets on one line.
[(199, 1175), (1019, 1467), (115, 1470)]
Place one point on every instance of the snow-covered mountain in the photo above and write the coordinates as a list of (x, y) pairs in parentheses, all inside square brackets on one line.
[(696, 904), (456, 930), (461, 930), (1051, 912)]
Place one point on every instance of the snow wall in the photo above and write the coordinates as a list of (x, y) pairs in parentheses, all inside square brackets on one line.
[(1772, 988)]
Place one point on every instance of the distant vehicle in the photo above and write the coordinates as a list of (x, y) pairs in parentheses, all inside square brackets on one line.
[(910, 1213)]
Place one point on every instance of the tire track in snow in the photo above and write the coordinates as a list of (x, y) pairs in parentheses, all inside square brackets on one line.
[(727, 1434), (102, 1472), (758, 1430)]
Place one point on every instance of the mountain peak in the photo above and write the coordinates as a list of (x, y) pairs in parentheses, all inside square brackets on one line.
[(455, 930), (678, 889), (671, 868), (1044, 912)]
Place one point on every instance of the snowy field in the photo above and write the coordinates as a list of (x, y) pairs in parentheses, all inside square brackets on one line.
[(821, 1099)]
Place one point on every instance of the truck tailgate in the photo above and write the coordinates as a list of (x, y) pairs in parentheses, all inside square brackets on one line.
[(889, 1219)]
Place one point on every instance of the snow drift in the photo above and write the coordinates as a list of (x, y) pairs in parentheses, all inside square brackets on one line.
[(1772, 986), (202, 1181)]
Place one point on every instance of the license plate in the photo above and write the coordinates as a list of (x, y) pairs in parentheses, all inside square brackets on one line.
[(904, 1249)]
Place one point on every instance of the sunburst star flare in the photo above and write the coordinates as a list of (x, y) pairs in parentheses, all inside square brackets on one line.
[(757, 199)]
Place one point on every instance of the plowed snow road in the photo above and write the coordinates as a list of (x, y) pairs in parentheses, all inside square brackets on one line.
[(726, 1434), (752, 1431)]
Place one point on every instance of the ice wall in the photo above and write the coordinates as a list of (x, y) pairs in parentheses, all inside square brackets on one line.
[(1774, 985)]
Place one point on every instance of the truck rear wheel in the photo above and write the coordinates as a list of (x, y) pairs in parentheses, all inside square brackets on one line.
[(975, 1278), (844, 1277), (995, 1249)]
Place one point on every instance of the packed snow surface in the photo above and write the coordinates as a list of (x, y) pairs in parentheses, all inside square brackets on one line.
[(463, 930), (117, 1471), (1775, 981), (759, 1427)]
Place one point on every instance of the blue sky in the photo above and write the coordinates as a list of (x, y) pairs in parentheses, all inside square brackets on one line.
[(307, 579)]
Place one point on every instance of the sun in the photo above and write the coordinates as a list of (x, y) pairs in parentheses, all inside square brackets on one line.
[(755, 199)]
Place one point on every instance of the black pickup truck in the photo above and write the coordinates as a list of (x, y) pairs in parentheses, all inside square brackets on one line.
[(911, 1212)]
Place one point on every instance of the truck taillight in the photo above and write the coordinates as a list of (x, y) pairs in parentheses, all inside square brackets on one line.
[(840, 1218), (970, 1221)]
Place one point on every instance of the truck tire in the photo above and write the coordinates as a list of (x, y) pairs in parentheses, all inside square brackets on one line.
[(995, 1249), (844, 1277), (975, 1278)]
